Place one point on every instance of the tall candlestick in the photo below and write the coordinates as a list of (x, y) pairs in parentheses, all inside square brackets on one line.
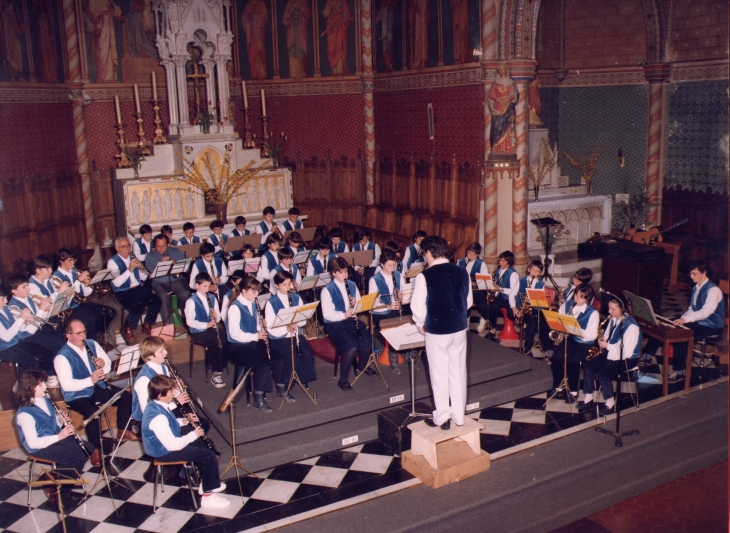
[(154, 86), (245, 94), (263, 102), (119, 110), (136, 98)]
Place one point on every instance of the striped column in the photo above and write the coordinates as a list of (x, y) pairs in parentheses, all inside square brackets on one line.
[(519, 181), (82, 156), (489, 30), (658, 76), (490, 217), (367, 94)]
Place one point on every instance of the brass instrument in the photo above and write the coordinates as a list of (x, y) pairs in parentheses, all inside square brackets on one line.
[(188, 408), (66, 422), (556, 336), (98, 363), (595, 350), (34, 320), (357, 322), (262, 323), (275, 229), (141, 266), (524, 310), (396, 296)]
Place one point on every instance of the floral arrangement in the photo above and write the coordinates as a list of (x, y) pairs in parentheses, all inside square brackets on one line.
[(586, 166), (135, 158), (549, 235), (633, 213), (545, 163), (218, 187), (277, 147)]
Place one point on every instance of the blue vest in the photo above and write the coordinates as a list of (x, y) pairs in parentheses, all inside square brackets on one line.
[(200, 314), (79, 371), (476, 269), (45, 425), (717, 318), (249, 323), (7, 320), (523, 288), (568, 301), (63, 277), (277, 305), (583, 321), (142, 246), (217, 263), (185, 240), (336, 295), (122, 269), (339, 248), (237, 233), (504, 280), (46, 290), (288, 227), (23, 305), (152, 445), (215, 241), (317, 264), (270, 260), (447, 288), (358, 247), (294, 271), (264, 227), (146, 372), (383, 289), (614, 334), (413, 257)]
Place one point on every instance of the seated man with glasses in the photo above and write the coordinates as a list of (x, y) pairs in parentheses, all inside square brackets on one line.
[(165, 285)]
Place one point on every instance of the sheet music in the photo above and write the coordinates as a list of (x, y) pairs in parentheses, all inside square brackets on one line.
[(406, 293), (484, 282), (365, 303), (404, 337), (162, 269), (302, 257), (100, 276), (181, 266), (128, 360), (415, 270), (235, 264)]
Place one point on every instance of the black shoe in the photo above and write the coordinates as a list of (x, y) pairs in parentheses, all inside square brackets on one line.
[(560, 395), (445, 426), (345, 386), (370, 372), (260, 403), (571, 398), (281, 393), (605, 411), (586, 406)]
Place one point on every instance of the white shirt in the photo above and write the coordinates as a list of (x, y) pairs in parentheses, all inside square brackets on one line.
[(63, 368), (514, 287), (420, 294), (270, 317), (18, 325), (713, 299), (212, 271), (294, 272), (121, 279), (266, 267), (190, 311), (323, 260), (234, 322), (225, 303), (80, 288), (140, 386), (631, 338), (38, 311), (482, 270), (35, 290), (376, 254), (328, 307), (160, 426), (373, 287), (591, 331), (138, 252), (27, 425), (406, 257), (259, 231)]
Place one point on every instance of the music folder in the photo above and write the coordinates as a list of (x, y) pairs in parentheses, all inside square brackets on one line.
[(303, 257), (484, 282), (361, 258), (294, 315), (190, 250), (307, 234), (102, 275), (563, 323), (415, 270), (538, 298), (365, 303)]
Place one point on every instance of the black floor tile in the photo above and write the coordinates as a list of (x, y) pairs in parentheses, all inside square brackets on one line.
[(249, 484), (254, 506), (530, 403), (239, 523), (305, 491), (202, 522), (496, 413), (354, 476), (11, 513), (130, 514), (9, 487), (293, 472), (121, 491), (375, 448), (337, 459), (7, 465), (77, 525), (181, 500), (497, 445), (290, 509)]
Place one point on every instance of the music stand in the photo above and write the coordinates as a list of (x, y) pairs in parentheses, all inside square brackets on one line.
[(547, 222), (57, 478), (363, 305), (313, 283), (485, 282), (538, 300), (128, 361), (190, 250), (175, 269), (415, 270), (569, 325), (306, 233)]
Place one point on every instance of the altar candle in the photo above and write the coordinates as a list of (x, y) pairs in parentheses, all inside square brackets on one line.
[(154, 86), (263, 102), (245, 95), (119, 110), (136, 99)]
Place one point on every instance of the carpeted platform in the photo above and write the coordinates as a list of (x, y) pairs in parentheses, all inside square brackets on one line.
[(496, 375)]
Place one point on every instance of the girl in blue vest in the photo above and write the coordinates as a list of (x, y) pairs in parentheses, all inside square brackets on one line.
[(295, 243), (269, 258), (532, 281), (396, 249), (246, 340), (318, 264), (338, 298), (240, 229), (474, 265), (388, 283), (621, 331), (413, 252), (293, 221), (202, 315), (218, 239), (583, 276), (233, 280), (286, 259), (13, 347), (279, 338), (143, 245), (163, 440), (578, 346), (363, 243), (43, 434), (214, 266)]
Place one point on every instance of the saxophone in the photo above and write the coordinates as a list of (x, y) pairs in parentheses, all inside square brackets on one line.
[(524, 310), (594, 350)]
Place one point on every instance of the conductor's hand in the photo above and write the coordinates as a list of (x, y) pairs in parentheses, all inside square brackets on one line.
[(421, 330), (97, 375), (45, 304), (263, 335), (603, 344), (199, 431), (680, 322), (65, 432), (25, 314)]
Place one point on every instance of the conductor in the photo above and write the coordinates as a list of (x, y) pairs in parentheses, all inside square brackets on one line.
[(441, 298)]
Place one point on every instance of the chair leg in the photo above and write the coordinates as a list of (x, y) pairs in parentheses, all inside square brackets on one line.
[(30, 479), (190, 486), (154, 491), (192, 350), (337, 360)]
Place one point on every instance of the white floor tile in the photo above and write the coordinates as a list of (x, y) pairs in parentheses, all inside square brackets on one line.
[(265, 473), (95, 508), (21, 473), (354, 449), (112, 528), (37, 521), (273, 490), (495, 427), (16, 453), (376, 464), (509, 405), (227, 512), (37, 497), (166, 520), (144, 495), (559, 406), (137, 470), (311, 461), (325, 476), (529, 416), (130, 450)]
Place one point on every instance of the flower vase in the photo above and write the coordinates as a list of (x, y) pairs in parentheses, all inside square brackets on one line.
[(221, 211), (274, 160), (205, 128), (588, 187), (536, 189)]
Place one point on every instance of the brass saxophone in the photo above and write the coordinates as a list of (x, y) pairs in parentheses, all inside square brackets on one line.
[(594, 350), (524, 310)]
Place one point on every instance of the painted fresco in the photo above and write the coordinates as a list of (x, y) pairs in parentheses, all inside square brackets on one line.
[(337, 37)]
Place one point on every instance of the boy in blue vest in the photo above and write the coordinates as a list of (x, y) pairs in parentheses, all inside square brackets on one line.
[(318, 264), (267, 225), (269, 258), (166, 230), (293, 221), (240, 229), (143, 245), (507, 278), (532, 281), (218, 239), (342, 325), (286, 258), (582, 276), (189, 236), (474, 265), (14, 346), (621, 331), (338, 245), (413, 252), (214, 266), (42, 434), (388, 283), (362, 243), (202, 316), (164, 441), (83, 384)]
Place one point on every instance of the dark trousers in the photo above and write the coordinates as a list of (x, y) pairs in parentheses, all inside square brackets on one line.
[(303, 360), (251, 355), (43, 342), (216, 354), (28, 356), (480, 301), (531, 330), (204, 458), (134, 301), (605, 372), (96, 317), (88, 406), (577, 352), (177, 286), (495, 310), (66, 453), (343, 335)]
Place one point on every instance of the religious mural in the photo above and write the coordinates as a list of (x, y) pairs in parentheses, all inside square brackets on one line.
[(30, 41)]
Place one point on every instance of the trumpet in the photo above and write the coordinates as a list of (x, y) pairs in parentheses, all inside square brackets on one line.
[(275, 229), (77, 298), (141, 266), (396, 296), (67, 423), (296, 332), (357, 322), (556, 336), (34, 320)]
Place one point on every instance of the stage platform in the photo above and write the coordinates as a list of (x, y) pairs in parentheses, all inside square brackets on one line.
[(496, 375)]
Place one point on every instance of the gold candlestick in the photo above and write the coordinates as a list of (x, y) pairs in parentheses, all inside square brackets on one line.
[(142, 147), (265, 146), (124, 161), (159, 133), (248, 141)]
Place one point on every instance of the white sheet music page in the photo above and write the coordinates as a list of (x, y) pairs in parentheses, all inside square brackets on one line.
[(404, 337)]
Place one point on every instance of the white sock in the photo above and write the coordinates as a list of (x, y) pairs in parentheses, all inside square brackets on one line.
[(574, 394), (609, 403), (588, 398)]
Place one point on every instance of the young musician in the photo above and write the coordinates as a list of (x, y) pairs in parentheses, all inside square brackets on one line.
[(578, 346), (474, 265), (295, 243), (348, 334), (388, 283), (270, 258), (293, 221), (164, 285), (130, 291), (166, 230), (84, 385), (233, 280), (211, 264), (286, 259), (621, 331), (363, 243), (43, 435), (413, 252), (40, 285), (508, 279), (218, 239), (583, 276), (338, 245), (279, 338), (202, 316), (267, 225), (395, 248), (240, 229), (441, 299), (143, 245), (318, 264), (247, 340), (164, 441), (532, 281), (190, 237)]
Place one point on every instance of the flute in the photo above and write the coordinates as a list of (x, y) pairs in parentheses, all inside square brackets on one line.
[(67, 423)]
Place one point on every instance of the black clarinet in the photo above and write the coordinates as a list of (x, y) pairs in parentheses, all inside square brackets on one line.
[(395, 296), (296, 332), (97, 361), (357, 322), (263, 328), (213, 314), (68, 424)]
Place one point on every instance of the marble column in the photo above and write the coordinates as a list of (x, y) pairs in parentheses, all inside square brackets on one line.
[(658, 76)]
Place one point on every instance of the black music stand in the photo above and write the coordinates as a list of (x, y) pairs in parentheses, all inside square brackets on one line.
[(547, 222)]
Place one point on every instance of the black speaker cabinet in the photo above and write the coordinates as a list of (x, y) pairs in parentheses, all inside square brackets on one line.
[(633, 267)]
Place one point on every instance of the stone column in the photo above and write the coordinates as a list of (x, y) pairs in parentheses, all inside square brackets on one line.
[(658, 76), (181, 87), (367, 95), (171, 97)]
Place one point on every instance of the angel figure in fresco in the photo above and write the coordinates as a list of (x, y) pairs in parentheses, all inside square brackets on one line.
[(243, 200), (385, 20), (135, 208), (271, 190), (254, 20), (103, 14), (460, 27), (281, 193), (502, 101), (146, 206), (46, 44), (418, 15), (253, 197), (157, 204), (167, 203), (296, 20), (179, 204), (10, 31), (338, 16), (263, 198), (140, 23), (189, 203)]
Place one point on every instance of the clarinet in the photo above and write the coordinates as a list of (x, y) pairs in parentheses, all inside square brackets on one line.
[(395, 298), (357, 322), (67, 423), (262, 324), (296, 333), (98, 363), (217, 331)]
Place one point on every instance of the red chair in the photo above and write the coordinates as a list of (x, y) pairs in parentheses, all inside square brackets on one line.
[(508, 331)]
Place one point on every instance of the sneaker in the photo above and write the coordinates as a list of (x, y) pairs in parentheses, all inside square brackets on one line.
[(213, 501), (219, 489), (217, 380), (482, 325)]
